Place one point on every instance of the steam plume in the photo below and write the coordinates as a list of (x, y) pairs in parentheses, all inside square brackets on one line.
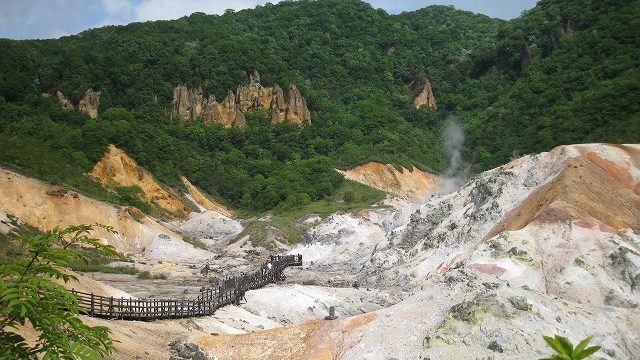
[(454, 139)]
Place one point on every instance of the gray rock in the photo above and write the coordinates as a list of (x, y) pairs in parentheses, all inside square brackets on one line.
[(520, 303), (494, 346)]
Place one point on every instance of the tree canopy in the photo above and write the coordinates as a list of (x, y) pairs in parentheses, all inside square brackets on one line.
[(353, 64)]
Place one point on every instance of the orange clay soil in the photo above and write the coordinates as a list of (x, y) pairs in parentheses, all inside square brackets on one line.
[(590, 189), (117, 168), (414, 185), (312, 340)]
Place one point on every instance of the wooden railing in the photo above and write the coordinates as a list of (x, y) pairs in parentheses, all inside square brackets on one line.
[(229, 291)]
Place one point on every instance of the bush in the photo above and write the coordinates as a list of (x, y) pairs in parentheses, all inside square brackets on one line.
[(146, 275), (29, 294), (349, 197), (564, 350)]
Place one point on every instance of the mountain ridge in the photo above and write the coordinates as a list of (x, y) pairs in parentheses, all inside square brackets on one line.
[(359, 70)]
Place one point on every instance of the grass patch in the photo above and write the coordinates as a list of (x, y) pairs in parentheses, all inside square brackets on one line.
[(95, 261), (120, 269), (146, 275), (287, 222), (195, 242)]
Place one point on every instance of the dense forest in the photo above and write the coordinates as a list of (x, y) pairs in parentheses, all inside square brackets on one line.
[(563, 72)]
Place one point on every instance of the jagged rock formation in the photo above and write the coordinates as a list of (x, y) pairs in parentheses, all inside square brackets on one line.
[(117, 168), (570, 27), (553, 41), (191, 103), (556, 34), (66, 103), (425, 95), (187, 102), (414, 185), (88, 105)]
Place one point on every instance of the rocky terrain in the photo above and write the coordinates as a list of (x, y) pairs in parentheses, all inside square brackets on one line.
[(425, 96), (547, 244), (190, 103), (88, 105)]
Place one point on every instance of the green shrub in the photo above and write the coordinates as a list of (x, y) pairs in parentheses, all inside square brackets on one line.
[(29, 294), (130, 270), (564, 350), (144, 275)]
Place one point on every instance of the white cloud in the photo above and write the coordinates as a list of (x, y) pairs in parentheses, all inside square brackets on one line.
[(505, 9), (173, 9), (114, 7), (29, 19), (23, 19)]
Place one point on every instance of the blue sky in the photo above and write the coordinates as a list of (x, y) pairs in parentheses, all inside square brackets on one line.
[(45, 19)]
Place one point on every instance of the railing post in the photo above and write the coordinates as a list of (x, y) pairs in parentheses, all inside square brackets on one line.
[(92, 304)]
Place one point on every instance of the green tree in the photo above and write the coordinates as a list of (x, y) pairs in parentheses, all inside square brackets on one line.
[(30, 297)]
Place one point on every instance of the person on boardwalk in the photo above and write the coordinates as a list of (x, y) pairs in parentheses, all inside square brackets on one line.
[(205, 270)]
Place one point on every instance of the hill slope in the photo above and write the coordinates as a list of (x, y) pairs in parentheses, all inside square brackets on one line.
[(564, 72), (546, 244)]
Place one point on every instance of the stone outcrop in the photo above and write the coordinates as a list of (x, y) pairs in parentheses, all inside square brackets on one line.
[(570, 27), (117, 168), (191, 103), (297, 111), (66, 103), (553, 41), (88, 105), (278, 105), (425, 95)]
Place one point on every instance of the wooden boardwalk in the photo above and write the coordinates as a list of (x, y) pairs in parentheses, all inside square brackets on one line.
[(229, 291)]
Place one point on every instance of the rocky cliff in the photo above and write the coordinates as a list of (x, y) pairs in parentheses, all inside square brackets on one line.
[(414, 185), (424, 96), (117, 168), (88, 105), (191, 103), (66, 103)]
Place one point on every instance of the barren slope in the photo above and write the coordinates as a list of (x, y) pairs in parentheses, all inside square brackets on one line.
[(547, 244), (414, 185), (45, 206), (117, 168), (205, 201)]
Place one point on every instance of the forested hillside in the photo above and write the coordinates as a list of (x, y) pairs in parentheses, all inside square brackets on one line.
[(356, 67), (566, 72)]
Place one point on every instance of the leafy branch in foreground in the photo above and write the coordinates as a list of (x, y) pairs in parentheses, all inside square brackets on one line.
[(30, 298), (565, 351)]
